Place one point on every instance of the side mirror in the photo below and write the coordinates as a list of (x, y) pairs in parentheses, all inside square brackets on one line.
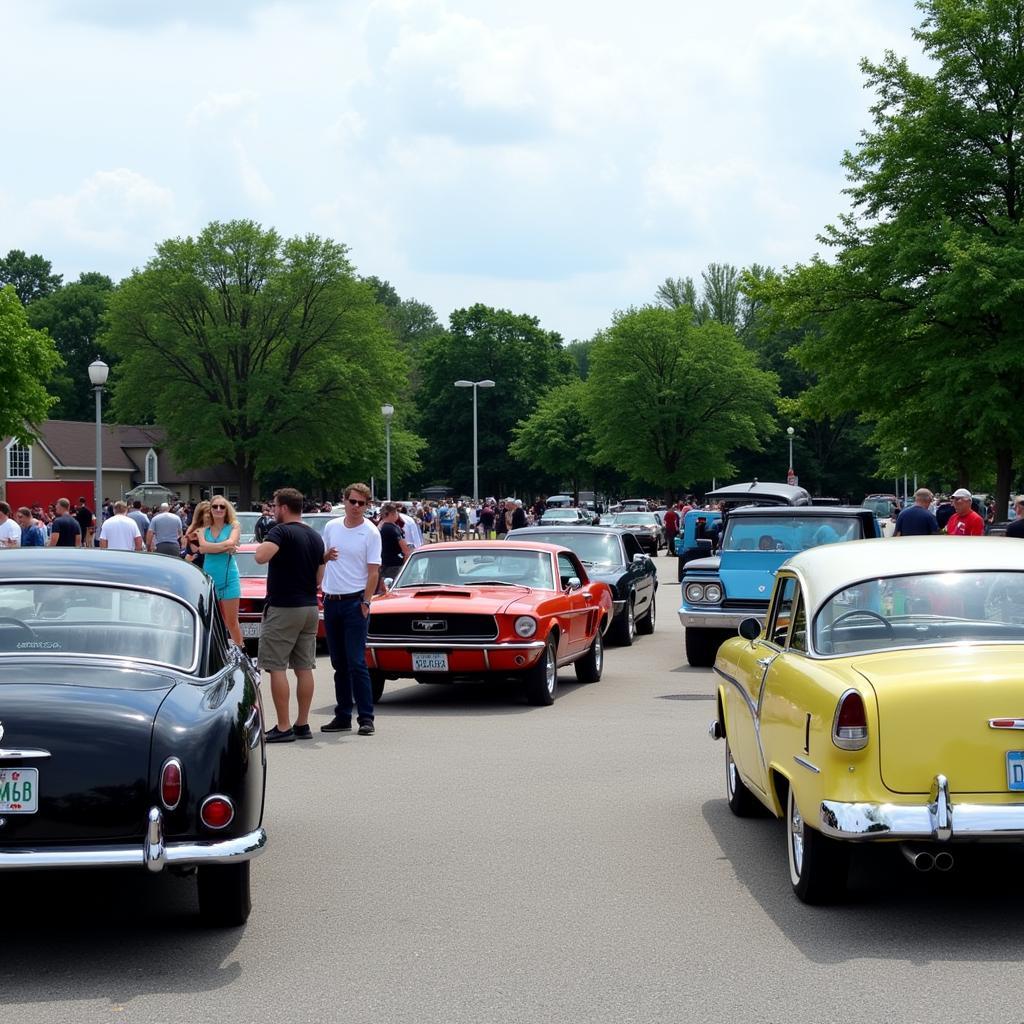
[(640, 558), (750, 629), (388, 582), (574, 583)]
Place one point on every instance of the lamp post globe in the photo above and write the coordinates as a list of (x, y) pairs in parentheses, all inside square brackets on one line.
[(791, 475)]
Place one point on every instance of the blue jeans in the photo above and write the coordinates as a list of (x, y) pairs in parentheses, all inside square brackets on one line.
[(345, 626)]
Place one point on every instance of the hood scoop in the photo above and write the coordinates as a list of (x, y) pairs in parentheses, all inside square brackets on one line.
[(438, 592)]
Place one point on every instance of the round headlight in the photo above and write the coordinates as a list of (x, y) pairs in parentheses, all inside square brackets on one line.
[(713, 593), (525, 626), (694, 592)]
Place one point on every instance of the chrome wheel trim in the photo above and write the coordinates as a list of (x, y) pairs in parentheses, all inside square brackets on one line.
[(550, 670), (650, 614), (796, 839), (598, 652), (730, 772), (631, 620)]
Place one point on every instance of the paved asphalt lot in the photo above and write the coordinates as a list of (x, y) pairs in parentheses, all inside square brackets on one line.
[(480, 860)]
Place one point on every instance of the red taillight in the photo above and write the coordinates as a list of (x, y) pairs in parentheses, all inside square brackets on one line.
[(170, 783), (216, 812), (850, 729)]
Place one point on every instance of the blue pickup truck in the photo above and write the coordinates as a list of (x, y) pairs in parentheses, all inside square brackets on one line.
[(718, 592)]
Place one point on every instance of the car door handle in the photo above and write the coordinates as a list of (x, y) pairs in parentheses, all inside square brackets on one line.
[(588, 597)]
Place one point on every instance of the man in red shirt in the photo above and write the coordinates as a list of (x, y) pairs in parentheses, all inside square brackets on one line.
[(964, 522), (671, 528)]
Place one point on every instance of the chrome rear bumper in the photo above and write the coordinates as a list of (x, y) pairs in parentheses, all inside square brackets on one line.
[(939, 819), (154, 853)]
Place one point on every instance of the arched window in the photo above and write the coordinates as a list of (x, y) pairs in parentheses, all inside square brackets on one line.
[(151, 467), (19, 461)]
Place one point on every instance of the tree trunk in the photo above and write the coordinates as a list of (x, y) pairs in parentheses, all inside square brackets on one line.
[(1004, 477), (246, 476)]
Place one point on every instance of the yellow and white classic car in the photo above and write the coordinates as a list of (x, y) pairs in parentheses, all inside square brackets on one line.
[(882, 700)]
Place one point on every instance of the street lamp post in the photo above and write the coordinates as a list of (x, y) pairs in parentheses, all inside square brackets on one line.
[(790, 432), (387, 411), (98, 371), (904, 476), (474, 384)]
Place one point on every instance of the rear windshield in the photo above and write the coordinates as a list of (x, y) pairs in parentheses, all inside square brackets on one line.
[(914, 611), (248, 566), (108, 622), (787, 533), (636, 519), (594, 549)]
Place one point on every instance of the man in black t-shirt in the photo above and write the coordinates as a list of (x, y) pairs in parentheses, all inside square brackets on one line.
[(295, 553), (916, 520), (84, 516), (64, 530), (393, 547), (1016, 528)]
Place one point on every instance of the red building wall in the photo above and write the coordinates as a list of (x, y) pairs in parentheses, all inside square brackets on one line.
[(45, 492)]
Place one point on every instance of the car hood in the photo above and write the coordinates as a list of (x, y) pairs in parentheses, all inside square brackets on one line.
[(254, 588), (704, 564), (455, 600)]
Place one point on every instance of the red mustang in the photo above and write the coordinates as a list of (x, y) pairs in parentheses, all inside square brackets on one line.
[(466, 610), (254, 596)]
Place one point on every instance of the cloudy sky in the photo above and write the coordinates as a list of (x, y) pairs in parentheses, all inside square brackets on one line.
[(555, 157)]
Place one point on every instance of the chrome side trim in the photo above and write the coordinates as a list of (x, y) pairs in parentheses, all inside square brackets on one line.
[(754, 714), (804, 763), (28, 753), (373, 645), (1011, 723)]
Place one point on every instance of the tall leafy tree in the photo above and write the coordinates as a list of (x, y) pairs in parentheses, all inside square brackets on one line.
[(263, 352), (31, 277), (670, 401), (920, 311), (28, 358)]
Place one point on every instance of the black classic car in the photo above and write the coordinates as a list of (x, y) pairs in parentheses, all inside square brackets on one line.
[(131, 730), (613, 557)]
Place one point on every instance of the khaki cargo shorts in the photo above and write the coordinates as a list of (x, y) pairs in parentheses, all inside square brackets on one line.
[(288, 638)]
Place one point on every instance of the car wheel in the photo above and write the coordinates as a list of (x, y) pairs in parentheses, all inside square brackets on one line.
[(591, 665), (646, 622), (818, 865), (623, 628), (701, 646), (541, 680), (742, 802), (377, 681), (224, 897)]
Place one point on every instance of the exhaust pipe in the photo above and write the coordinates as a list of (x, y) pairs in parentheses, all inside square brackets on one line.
[(921, 859), (944, 861)]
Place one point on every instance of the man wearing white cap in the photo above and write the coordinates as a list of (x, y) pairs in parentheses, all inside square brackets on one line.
[(964, 522)]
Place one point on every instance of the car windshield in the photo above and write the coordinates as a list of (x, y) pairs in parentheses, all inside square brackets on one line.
[(58, 619), (471, 567), (636, 519), (882, 507), (558, 515), (787, 533), (914, 611), (318, 522), (247, 523), (247, 565), (593, 548)]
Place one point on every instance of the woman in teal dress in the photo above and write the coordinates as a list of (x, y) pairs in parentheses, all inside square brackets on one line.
[(218, 544)]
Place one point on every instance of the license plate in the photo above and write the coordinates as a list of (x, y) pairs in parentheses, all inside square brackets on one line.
[(251, 630), (19, 790), (430, 662), (1015, 770)]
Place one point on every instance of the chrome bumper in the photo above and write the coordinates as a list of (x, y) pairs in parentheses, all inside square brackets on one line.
[(939, 819), (417, 645), (154, 853), (714, 618)]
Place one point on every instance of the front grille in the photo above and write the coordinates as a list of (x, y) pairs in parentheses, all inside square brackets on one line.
[(745, 606), (458, 626)]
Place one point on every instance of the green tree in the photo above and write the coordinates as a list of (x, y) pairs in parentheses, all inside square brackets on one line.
[(73, 317), (580, 353), (920, 312), (31, 277), (556, 438), (29, 358), (670, 401), (523, 360), (263, 352)]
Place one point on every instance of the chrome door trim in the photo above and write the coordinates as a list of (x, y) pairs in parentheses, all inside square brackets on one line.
[(804, 763)]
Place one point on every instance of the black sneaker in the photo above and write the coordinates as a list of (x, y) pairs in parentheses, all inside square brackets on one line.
[(302, 732), (366, 728), (276, 736), (337, 724)]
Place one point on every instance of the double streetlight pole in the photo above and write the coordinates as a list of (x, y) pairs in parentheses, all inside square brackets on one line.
[(474, 384), (387, 411)]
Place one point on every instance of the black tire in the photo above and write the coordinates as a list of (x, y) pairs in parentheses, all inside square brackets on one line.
[(818, 866), (622, 631), (591, 665), (701, 646), (224, 896), (377, 681), (541, 680), (645, 624), (742, 802)]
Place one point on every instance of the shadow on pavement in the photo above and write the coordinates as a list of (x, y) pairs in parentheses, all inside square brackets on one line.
[(971, 913), (108, 934)]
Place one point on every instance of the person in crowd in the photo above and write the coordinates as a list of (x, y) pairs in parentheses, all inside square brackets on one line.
[(201, 518), (119, 532), (65, 531), (264, 524), (411, 529), (294, 556), (10, 529), (964, 522), (672, 522), (518, 520), (350, 580), (446, 519), (487, 522), (164, 533), (393, 547), (429, 519), (943, 511), (33, 533), (85, 518), (218, 542), (461, 521), (139, 517), (917, 520), (1016, 528)]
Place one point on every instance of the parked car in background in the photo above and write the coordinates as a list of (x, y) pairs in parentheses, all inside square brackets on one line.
[(254, 598), (697, 537), (471, 610), (247, 522), (573, 516), (132, 730), (880, 702), (613, 557), (644, 526), (318, 520)]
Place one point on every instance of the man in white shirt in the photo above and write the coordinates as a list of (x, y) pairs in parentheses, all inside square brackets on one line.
[(350, 580), (411, 529), (119, 533), (10, 531)]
